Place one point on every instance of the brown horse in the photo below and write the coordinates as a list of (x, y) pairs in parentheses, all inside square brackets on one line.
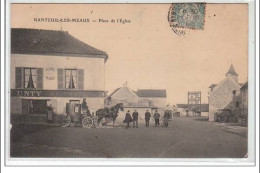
[(109, 113)]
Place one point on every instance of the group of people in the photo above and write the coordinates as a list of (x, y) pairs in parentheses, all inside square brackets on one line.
[(134, 118)]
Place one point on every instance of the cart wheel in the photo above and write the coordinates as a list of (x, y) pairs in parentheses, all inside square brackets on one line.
[(222, 118), (87, 122), (65, 121)]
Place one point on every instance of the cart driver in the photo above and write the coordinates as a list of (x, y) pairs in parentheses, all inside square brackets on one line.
[(84, 106)]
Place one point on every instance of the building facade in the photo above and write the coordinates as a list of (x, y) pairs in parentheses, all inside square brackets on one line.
[(52, 68), (225, 94)]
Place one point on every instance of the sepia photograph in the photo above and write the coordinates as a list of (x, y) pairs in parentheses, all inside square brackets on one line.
[(129, 80)]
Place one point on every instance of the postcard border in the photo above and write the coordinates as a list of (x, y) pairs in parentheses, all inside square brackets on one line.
[(190, 162)]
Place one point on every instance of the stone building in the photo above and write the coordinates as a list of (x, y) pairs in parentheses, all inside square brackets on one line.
[(225, 94), (244, 100)]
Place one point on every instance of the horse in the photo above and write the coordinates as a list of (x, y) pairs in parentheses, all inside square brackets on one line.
[(109, 113)]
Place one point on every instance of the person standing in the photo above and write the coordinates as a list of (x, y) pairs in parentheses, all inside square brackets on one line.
[(147, 118), (166, 118), (128, 119), (49, 114), (84, 105), (135, 119), (156, 117)]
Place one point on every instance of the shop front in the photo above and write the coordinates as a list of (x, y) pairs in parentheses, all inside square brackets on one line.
[(34, 105)]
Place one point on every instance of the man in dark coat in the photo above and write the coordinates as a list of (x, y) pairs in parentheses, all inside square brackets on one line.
[(84, 106), (135, 119), (156, 117), (128, 118), (147, 118), (166, 118)]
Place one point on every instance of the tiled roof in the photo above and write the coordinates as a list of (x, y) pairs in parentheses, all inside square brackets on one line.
[(51, 42), (151, 93), (232, 71)]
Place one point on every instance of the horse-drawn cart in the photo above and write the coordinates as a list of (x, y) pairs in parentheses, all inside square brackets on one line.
[(74, 114)]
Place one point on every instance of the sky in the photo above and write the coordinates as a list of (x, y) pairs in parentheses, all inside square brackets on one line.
[(146, 52)]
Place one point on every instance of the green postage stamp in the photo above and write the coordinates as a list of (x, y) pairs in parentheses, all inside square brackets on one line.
[(187, 15)]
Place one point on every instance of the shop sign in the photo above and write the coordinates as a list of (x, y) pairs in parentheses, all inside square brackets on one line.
[(55, 93)]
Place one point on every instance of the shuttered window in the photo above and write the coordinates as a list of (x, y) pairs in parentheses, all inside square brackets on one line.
[(71, 79), (31, 78)]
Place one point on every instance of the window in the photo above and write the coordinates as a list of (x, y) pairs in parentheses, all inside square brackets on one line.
[(30, 78), (71, 79), (234, 92), (237, 104)]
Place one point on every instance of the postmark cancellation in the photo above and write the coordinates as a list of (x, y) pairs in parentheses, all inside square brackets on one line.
[(187, 15)]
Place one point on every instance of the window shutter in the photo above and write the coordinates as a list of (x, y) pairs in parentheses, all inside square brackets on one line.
[(81, 79), (61, 82), (39, 78), (18, 77)]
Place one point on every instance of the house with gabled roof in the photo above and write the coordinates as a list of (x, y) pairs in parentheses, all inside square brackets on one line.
[(225, 94), (158, 97), (50, 67), (141, 100)]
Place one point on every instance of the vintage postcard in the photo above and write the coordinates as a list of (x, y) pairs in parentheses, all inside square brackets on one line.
[(129, 81)]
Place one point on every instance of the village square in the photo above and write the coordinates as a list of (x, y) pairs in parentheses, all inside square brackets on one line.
[(60, 108)]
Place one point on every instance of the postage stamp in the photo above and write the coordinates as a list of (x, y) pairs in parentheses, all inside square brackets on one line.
[(187, 15)]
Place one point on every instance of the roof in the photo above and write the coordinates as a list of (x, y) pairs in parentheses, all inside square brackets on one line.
[(244, 86), (151, 93), (212, 86), (182, 105), (113, 92), (227, 82), (51, 42), (232, 71), (203, 107)]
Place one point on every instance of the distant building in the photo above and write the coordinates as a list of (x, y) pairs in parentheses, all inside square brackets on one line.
[(225, 94), (194, 103), (184, 109), (53, 68), (158, 98), (141, 100)]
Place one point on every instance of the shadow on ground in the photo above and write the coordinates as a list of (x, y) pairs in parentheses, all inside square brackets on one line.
[(20, 130)]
